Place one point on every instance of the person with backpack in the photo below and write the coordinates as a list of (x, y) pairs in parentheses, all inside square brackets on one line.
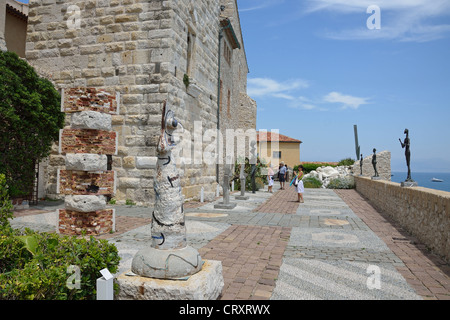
[(282, 175)]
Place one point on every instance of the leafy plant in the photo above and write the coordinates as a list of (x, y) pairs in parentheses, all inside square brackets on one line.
[(259, 178), (186, 80), (129, 202), (346, 162), (341, 183), (36, 265), (6, 206), (312, 182), (30, 119)]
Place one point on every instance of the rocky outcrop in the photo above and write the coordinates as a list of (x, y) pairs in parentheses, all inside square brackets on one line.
[(326, 174), (383, 166)]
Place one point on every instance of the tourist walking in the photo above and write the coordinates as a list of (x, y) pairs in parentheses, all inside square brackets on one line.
[(282, 175), (299, 184)]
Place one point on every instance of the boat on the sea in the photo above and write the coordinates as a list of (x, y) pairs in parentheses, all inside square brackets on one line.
[(437, 180)]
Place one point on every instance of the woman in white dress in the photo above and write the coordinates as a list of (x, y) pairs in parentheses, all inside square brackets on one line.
[(270, 178), (299, 184)]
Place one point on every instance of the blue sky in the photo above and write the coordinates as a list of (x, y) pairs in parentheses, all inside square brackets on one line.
[(316, 70)]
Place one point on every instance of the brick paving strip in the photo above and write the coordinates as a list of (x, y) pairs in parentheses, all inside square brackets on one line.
[(282, 201), (251, 257), (425, 272)]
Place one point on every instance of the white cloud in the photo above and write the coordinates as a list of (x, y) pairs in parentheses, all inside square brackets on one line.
[(287, 90), (403, 20), (252, 5), (265, 87), (346, 100)]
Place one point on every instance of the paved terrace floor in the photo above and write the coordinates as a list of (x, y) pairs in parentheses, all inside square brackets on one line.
[(335, 245)]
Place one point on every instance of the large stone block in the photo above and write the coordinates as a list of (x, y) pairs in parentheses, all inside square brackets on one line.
[(86, 162), (91, 120), (146, 162), (207, 284), (85, 203)]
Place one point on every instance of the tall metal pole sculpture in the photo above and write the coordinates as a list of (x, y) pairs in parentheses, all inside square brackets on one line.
[(168, 256), (357, 147)]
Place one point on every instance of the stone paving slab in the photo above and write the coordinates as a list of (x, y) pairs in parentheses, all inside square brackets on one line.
[(323, 279), (427, 273)]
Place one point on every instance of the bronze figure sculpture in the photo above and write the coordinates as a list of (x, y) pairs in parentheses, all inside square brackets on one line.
[(406, 145)]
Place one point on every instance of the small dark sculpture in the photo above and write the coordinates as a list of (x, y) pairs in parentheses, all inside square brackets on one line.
[(405, 144), (252, 174), (374, 162), (361, 163)]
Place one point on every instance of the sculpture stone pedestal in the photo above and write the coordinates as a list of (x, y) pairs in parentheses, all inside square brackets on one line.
[(409, 184), (241, 197), (226, 191), (207, 284), (167, 264), (376, 178), (223, 205)]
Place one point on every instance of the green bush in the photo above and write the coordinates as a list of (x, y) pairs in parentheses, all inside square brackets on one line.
[(346, 162), (341, 183), (312, 182), (37, 266), (30, 119), (5, 205), (260, 180)]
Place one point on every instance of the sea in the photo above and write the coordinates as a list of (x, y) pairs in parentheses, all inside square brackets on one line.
[(423, 179)]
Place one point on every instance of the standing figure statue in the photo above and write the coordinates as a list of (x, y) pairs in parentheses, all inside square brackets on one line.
[(242, 178), (253, 160), (405, 145), (361, 164), (168, 256), (252, 175), (374, 162)]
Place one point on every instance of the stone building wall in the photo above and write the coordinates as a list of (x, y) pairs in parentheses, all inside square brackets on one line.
[(423, 212), (144, 50)]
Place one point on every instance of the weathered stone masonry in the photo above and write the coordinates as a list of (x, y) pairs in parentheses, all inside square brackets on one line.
[(145, 51), (423, 212), (87, 179)]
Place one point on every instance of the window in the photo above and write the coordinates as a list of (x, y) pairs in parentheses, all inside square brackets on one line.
[(190, 52), (221, 96), (229, 103), (276, 155), (227, 52)]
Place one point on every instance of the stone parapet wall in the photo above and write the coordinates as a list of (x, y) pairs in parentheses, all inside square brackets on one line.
[(423, 212)]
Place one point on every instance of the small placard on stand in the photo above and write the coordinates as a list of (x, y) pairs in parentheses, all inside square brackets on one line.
[(105, 286)]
